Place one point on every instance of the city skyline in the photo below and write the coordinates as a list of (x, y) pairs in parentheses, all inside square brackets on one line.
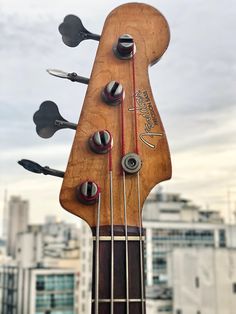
[(193, 86), (178, 236)]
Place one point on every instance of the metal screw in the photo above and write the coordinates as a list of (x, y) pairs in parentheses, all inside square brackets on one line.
[(101, 142), (87, 192), (113, 93), (125, 47)]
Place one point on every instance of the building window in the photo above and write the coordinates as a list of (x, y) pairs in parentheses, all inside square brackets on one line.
[(234, 287), (197, 282), (222, 238)]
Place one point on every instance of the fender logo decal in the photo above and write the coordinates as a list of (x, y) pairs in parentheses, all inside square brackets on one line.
[(145, 108)]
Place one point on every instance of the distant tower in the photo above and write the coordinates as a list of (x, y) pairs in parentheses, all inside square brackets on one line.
[(18, 218), (5, 217), (86, 269)]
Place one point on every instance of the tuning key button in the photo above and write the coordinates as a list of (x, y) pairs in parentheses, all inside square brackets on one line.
[(125, 47), (37, 168), (73, 31), (87, 192), (113, 93), (101, 142), (74, 77)]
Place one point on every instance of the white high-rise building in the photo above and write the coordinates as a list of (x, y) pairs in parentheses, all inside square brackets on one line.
[(175, 224), (54, 244), (38, 290), (85, 284), (44, 276), (18, 219), (203, 280), (5, 217)]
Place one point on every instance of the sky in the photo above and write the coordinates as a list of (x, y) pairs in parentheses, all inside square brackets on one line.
[(194, 86)]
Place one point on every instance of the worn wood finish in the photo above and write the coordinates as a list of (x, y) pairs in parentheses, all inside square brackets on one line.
[(151, 34)]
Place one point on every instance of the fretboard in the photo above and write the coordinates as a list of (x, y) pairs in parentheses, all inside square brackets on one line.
[(117, 299)]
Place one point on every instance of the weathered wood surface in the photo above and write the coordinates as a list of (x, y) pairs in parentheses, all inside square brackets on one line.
[(151, 35)]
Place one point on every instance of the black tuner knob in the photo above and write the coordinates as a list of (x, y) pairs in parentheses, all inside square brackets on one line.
[(36, 168), (74, 77), (48, 120), (73, 31)]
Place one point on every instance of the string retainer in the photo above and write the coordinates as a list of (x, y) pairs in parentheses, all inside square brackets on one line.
[(131, 163)]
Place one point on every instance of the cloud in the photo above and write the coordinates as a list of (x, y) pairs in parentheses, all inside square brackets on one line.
[(193, 84)]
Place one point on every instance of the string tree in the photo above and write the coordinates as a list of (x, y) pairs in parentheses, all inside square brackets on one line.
[(131, 163), (48, 120)]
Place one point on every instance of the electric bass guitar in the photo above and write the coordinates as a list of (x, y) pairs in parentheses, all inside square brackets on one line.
[(120, 151)]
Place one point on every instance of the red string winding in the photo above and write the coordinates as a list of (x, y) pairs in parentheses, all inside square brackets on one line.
[(122, 128), (135, 107)]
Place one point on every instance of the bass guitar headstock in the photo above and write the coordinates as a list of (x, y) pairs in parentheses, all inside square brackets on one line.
[(120, 151)]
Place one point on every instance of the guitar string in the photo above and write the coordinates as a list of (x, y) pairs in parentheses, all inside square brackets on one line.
[(122, 129), (138, 183), (112, 232), (97, 255), (125, 210), (135, 103), (126, 246), (140, 244)]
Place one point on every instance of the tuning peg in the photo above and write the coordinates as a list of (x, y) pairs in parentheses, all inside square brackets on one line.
[(36, 168), (73, 31), (70, 76), (48, 120)]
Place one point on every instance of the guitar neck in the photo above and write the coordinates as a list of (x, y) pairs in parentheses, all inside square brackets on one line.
[(118, 272)]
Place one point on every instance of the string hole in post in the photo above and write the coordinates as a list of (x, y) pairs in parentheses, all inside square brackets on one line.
[(125, 47), (101, 142), (87, 192), (113, 93)]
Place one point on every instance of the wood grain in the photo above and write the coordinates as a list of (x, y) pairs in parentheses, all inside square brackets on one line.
[(151, 35)]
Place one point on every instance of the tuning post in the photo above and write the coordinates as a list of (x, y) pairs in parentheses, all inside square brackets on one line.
[(125, 47), (32, 166), (73, 77), (113, 93), (87, 192), (73, 31), (101, 142), (48, 120)]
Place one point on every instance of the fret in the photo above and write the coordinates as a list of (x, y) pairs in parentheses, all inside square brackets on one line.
[(119, 300), (120, 307), (120, 238)]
